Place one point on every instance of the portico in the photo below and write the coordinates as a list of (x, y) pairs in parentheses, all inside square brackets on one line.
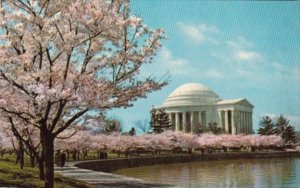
[(193, 105)]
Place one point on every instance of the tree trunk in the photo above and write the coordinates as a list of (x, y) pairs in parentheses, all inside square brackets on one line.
[(41, 166), (32, 161), (48, 144), (78, 155), (21, 154), (40, 157)]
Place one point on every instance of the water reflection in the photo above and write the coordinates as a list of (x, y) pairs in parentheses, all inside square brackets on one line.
[(281, 172)]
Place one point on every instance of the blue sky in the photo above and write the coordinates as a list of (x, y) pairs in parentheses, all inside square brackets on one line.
[(240, 49)]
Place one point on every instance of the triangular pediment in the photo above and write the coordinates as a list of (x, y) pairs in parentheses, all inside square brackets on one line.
[(245, 103), (239, 102)]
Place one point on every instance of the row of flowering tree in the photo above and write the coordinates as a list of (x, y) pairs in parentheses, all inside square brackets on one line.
[(169, 141), (83, 141), (60, 60)]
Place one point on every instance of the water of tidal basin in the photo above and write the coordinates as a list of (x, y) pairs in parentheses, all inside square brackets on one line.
[(277, 172)]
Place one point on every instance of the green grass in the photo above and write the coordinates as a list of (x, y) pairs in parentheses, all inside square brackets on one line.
[(12, 175)]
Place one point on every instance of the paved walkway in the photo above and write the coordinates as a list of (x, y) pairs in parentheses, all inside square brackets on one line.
[(102, 179)]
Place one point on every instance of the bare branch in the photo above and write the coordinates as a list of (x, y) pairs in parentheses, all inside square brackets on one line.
[(70, 121), (66, 137), (14, 83)]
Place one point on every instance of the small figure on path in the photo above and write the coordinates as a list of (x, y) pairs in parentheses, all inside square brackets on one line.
[(62, 160)]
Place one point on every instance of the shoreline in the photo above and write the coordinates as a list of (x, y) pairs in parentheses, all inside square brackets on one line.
[(110, 165), (104, 179), (101, 172)]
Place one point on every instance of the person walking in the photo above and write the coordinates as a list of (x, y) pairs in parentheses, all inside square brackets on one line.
[(62, 160)]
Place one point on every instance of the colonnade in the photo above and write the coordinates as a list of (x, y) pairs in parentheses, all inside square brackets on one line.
[(236, 121), (232, 121), (188, 122)]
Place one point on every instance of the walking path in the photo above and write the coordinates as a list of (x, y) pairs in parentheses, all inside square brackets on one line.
[(102, 179)]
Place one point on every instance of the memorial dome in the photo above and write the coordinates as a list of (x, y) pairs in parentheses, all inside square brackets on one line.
[(191, 94)]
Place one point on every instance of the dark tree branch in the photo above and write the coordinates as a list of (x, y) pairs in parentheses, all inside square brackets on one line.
[(19, 114), (70, 121), (14, 83), (62, 104), (67, 64), (60, 34), (66, 137), (44, 5), (86, 58)]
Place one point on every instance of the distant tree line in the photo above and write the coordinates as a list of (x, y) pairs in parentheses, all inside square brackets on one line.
[(160, 122), (281, 127)]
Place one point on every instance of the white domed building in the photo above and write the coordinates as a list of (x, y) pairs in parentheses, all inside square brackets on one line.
[(192, 105)]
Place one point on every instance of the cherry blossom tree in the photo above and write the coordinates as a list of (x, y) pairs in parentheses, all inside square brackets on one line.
[(231, 141), (6, 142), (206, 141), (181, 140), (99, 143), (167, 141), (62, 59), (75, 140), (28, 139), (23, 139)]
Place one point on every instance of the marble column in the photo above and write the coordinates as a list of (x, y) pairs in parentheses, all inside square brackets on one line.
[(170, 119), (221, 119), (241, 122), (184, 122), (237, 122), (248, 122), (233, 125), (251, 126), (245, 122), (177, 121), (204, 119), (226, 122), (193, 122), (196, 125), (200, 118), (173, 120)]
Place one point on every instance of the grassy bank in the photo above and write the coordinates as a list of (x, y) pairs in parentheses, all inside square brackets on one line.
[(12, 175)]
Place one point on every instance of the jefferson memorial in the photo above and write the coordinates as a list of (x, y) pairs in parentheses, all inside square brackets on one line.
[(192, 105)]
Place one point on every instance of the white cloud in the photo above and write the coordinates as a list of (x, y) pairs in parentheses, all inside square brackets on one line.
[(286, 73), (165, 53), (213, 73), (174, 65), (296, 74), (243, 73), (273, 116), (281, 71), (244, 50), (240, 42), (294, 120), (182, 67), (178, 62), (199, 33), (248, 55), (277, 66)]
